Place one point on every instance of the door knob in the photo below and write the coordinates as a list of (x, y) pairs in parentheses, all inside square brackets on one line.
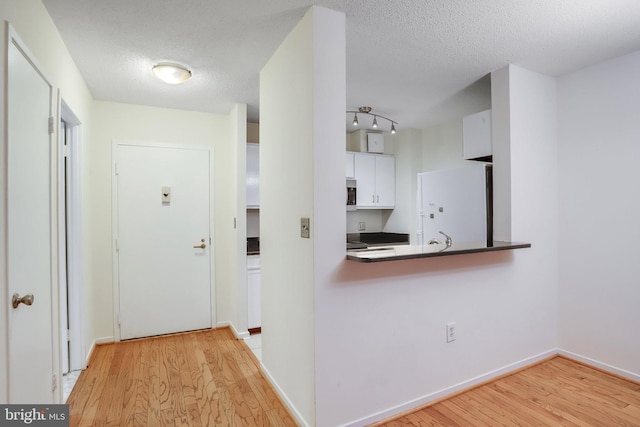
[(26, 300), (201, 246)]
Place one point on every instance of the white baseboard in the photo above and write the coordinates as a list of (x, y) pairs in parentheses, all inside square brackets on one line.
[(97, 341), (239, 335), (379, 416), (283, 396), (600, 365)]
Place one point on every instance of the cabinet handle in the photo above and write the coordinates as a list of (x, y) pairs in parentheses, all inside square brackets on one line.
[(377, 199)]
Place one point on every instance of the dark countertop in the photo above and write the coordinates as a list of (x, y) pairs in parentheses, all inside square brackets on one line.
[(402, 252), (364, 240)]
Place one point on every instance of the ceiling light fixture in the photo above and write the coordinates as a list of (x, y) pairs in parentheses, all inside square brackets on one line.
[(367, 110), (171, 73)]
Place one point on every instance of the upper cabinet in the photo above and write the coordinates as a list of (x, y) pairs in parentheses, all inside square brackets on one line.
[(476, 136), (376, 181), (253, 176)]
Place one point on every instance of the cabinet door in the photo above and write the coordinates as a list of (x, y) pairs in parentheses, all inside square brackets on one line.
[(365, 165), (385, 181), (253, 292), (476, 135), (349, 166), (253, 175)]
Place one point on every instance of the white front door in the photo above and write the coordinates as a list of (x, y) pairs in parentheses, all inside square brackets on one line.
[(163, 239), (29, 229)]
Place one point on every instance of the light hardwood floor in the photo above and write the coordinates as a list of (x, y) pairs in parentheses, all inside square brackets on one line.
[(208, 378), (558, 392), (204, 378)]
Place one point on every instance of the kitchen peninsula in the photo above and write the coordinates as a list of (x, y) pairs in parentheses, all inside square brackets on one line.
[(403, 252)]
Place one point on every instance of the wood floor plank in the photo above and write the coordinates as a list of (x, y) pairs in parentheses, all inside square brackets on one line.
[(556, 392), (210, 379), (203, 378)]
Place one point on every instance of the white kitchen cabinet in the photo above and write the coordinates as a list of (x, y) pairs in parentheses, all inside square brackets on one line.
[(253, 292), (476, 135), (349, 165), (253, 176), (376, 181)]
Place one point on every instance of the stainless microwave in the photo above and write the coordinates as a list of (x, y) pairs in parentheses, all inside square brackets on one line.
[(351, 194)]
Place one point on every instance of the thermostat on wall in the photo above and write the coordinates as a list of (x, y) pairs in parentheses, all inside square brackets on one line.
[(375, 143)]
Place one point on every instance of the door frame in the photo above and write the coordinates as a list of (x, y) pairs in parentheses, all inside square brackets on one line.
[(13, 38), (70, 207), (114, 222)]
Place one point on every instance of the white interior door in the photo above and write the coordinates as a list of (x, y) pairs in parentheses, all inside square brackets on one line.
[(29, 229), (163, 240)]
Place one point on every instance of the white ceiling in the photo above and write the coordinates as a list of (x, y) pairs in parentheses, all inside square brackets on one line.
[(417, 62)]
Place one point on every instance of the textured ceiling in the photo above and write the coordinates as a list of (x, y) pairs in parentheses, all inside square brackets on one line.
[(418, 62)]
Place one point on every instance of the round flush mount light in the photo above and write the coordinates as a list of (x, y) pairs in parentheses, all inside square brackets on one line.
[(171, 73)]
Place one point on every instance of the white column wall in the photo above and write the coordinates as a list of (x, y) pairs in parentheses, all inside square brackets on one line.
[(286, 195), (235, 243), (600, 207)]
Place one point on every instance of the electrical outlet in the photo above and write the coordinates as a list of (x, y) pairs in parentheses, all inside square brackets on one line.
[(451, 331), (362, 226)]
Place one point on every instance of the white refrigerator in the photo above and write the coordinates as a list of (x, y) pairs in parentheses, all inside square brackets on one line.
[(457, 202)]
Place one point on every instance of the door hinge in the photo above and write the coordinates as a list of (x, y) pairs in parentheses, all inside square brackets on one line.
[(65, 150), (118, 320), (54, 382), (115, 168), (117, 244), (68, 335), (50, 125)]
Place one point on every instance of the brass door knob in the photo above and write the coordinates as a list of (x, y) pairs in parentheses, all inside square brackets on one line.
[(26, 300)]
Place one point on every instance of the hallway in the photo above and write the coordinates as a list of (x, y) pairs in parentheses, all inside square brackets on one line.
[(202, 378)]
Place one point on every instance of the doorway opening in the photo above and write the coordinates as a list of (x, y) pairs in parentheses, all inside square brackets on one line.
[(70, 249)]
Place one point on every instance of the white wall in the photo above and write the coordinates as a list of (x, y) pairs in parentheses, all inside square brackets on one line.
[(380, 328), (233, 274), (302, 146), (133, 122), (408, 155), (286, 168), (32, 23), (600, 207), (442, 146)]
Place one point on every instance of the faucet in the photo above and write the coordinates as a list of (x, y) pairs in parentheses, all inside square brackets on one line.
[(448, 240)]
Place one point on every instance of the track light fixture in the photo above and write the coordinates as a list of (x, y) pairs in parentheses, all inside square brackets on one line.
[(367, 110)]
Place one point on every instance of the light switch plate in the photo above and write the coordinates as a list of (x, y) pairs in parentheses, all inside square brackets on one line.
[(305, 227)]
